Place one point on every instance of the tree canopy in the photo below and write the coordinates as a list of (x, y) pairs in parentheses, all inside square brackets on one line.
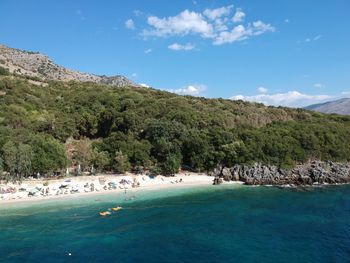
[(121, 129)]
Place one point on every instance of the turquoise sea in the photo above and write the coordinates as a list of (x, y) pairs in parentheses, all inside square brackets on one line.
[(210, 224)]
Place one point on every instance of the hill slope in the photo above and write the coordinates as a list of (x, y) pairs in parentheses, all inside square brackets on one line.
[(37, 65), (341, 106), (128, 128)]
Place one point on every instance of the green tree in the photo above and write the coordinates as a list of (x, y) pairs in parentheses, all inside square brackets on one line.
[(49, 155), (234, 153), (121, 163), (83, 154), (4, 71), (171, 165), (24, 160), (100, 160), (1, 167), (18, 160), (10, 158), (196, 150)]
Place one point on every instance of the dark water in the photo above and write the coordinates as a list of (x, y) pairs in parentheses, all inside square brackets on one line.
[(227, 224)]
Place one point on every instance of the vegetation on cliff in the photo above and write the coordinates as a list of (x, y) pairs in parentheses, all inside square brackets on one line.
[(120, 129)]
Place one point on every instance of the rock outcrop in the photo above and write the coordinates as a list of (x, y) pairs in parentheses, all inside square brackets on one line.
[(38, 66), (217, 180), (315, 172)]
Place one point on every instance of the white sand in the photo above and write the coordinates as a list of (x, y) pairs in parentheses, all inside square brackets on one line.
[(146, 183)]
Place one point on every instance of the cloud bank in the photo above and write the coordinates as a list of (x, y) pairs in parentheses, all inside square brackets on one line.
[(179, 47), (193, 90), (220, 25), (289, 99)]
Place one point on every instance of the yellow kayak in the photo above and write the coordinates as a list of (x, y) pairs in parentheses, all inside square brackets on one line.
[(105, 213), (117, 208)]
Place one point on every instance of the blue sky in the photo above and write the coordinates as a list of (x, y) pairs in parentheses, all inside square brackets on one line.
[(287, 52)]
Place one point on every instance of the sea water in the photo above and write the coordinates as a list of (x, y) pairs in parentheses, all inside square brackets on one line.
[(210, 224)]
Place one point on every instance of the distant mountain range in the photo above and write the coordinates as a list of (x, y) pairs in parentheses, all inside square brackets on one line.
[(341, 106), (38, 66)]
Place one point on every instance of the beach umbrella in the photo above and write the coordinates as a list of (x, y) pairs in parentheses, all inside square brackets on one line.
[(39, 186), (23, 187), (33, 191), (64, 184)]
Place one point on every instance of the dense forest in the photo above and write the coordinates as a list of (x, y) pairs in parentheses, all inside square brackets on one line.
[(45, 128)]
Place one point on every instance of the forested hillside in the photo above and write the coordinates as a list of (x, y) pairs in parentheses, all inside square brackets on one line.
[(119, 129)]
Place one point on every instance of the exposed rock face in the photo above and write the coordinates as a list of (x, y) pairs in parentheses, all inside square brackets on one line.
[(227, 174), (217, 180), (341, 106), (312, 173), (118, 81), (40, 66)]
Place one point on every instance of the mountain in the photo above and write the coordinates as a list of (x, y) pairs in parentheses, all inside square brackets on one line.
[(341, 106), (37, 66)]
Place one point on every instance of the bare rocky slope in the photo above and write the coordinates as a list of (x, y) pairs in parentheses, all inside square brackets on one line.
[(341, 106), (38, 66)]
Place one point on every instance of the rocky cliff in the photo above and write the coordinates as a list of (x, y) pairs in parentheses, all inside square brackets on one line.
[(37, 65), (308, 174)]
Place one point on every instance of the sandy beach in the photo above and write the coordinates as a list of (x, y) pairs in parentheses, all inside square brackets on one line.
[(70, 187)]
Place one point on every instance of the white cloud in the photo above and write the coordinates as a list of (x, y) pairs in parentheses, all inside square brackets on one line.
[(220, 24), (193, 90), (239, 16), (182, 24), (289, 99), (149, 50), (179, 47), (262, 90), (129, 24), (215, 24), (240, 33), (310, 39), (138, 13), (317, 37), (319, 85), (213, 14), (134, 75), (144, 85), (260, 27)]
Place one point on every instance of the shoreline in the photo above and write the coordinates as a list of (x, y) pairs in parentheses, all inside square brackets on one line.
[(146, 183)]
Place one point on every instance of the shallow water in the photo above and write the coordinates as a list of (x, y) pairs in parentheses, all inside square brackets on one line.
[(211, 224)]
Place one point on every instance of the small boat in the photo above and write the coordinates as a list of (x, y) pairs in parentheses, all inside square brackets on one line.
[(106, 213), (117, 208)]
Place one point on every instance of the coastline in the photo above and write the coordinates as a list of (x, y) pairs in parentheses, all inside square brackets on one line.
[(50, 189), (146, 183)]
